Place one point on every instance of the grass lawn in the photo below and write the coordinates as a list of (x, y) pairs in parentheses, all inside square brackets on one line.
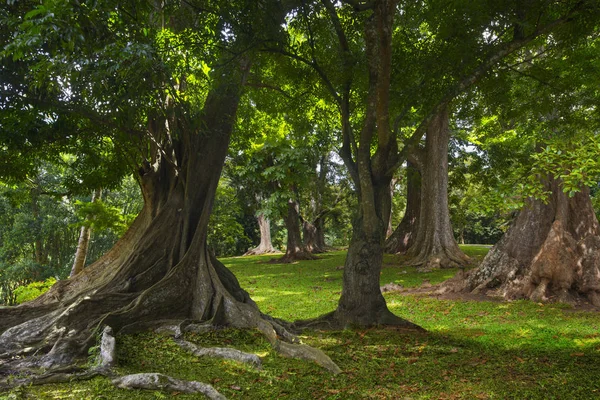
[(473, 350)]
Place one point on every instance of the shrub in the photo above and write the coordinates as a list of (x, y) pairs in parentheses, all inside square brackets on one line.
[(33, 290)]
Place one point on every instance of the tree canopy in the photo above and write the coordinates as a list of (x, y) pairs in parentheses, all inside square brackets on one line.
[(284, 92)]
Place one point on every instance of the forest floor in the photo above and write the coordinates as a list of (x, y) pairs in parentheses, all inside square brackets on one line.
[(472, 349)]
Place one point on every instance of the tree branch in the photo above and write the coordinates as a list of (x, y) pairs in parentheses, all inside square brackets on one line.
[(470, 80), (262, 85), (360, 5), (348, 143)]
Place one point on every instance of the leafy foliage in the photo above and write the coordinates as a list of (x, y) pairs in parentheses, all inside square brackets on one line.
[(226, 234), (39, 230), (33, 290)]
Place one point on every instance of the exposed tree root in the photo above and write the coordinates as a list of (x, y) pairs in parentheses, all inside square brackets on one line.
[(58, 376), (199, 291), (154, 381), (220, 352), (305, 352), (107, 357), (103, 367)]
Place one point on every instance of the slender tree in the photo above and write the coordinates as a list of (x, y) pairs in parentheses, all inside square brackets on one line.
[(82, 244)]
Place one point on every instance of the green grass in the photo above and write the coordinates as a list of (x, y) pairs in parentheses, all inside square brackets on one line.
[(486, 350)]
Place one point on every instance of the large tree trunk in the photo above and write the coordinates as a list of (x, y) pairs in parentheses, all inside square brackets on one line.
[(314, 237), (361, 302), (161, 270), (296, 249), (82, 244), (266, 245), (312, 232), (404, 235), (434, 246), (320, 233), (550, 253)]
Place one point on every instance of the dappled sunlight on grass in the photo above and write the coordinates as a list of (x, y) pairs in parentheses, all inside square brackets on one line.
[(485, 350)]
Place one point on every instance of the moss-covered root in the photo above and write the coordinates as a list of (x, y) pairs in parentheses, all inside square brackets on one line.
[(154, 381), (305, 352), (296, 350)]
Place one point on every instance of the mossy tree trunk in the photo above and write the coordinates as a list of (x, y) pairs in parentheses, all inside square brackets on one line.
[(314, 234), (161, 268), (550, 253), (320, 233), (361, 302)]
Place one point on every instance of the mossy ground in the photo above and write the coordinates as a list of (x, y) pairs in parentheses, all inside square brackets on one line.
[(473, 350)]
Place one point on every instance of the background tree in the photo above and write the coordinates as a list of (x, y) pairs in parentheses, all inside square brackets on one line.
[(403, 237), (550, 251), (457, 45), (84, 238)]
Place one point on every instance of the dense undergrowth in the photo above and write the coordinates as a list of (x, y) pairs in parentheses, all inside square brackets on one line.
[(473, 350)]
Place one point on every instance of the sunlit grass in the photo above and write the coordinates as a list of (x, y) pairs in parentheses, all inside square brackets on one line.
[(473, 350)]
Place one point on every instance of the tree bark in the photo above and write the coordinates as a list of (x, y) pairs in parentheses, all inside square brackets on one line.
[(266, 245), (311, 238), (296, 249), (404, 235), (320, 233), (390, 227), (435, 246), (550, 253), (82, 244)]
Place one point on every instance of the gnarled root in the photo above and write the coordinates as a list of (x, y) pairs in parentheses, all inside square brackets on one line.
[(198, 291), (154, 381), (258, 251), (305, 352), (220, 352)]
